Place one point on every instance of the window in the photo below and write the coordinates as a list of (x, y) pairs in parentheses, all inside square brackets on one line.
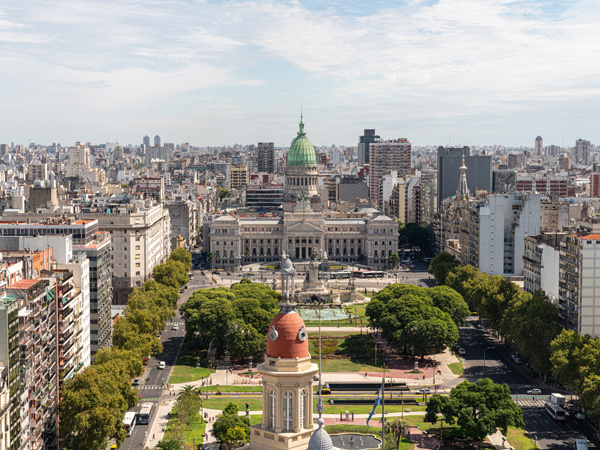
[(303, 409), (272, 405), (137, 264), (137, 247), (288, 411), (137, 256), (137, 273)]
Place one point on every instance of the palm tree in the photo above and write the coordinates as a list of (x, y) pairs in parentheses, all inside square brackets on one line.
[(210, 257), (398, 429), (393, 260), (187, 391), (169, 443)]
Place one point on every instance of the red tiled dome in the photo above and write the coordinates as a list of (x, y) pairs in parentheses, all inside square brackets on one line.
[(288, 344)]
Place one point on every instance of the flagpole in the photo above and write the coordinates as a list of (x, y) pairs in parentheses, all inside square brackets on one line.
[(383, 408)]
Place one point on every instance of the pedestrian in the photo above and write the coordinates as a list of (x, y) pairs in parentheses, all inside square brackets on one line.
[(153, 436)]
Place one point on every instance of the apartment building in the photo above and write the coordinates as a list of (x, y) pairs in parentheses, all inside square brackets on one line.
[(239, 177), (38, 362), (141, 240), (4, 409), (385, 157), (9, 359), (541, 264), (579, 280)]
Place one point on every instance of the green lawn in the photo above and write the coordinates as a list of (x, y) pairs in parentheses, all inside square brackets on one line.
[(195, 430), (366, 409), (356, 350), (185, 369), (248, 388), (519, 439), (220, 403), (457, 367)]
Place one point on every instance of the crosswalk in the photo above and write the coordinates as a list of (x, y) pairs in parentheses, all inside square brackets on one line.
[(149, 386), (199, 284), (177, 322)]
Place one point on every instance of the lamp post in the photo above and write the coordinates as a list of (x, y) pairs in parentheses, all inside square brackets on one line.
[(489, 348)]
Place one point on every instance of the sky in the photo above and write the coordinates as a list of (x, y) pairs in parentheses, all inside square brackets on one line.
[(438, 72)]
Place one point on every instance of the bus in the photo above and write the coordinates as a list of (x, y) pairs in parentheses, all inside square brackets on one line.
[(368, 273), (129, 422), (144, 414), (340, 274), (555, 411)]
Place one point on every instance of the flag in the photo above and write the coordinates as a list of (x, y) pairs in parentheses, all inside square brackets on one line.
[(377, 403)]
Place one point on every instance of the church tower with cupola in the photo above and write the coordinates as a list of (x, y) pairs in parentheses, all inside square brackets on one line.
[(301, 173), (287, 421)]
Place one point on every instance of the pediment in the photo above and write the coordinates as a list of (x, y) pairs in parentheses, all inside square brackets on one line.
[(304, 227)]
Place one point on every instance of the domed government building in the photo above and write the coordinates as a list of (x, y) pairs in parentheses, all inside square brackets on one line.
[(363, 236)]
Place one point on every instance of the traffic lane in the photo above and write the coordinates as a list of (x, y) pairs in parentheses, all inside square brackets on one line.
[(498, 365), (552, 434)]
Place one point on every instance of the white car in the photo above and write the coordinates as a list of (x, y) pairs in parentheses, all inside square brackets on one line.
[(175, 327), (161, 365), (424, 391), (534, 392), (462, 351)]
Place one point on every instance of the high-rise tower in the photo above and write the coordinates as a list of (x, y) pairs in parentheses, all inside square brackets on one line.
[(539, 146), (367, 138)]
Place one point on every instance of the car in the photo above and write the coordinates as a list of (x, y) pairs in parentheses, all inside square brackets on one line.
[(534, 392), (462, 351), (161, 365), (181, 291), (579, 416), (186, 286), (136, 382), (175, 327), (424, 391)]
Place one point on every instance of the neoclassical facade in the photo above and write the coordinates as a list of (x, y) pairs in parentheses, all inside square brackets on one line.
[(366, 237)]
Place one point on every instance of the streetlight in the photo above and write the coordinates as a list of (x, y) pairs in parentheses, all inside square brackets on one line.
[(489, 348)]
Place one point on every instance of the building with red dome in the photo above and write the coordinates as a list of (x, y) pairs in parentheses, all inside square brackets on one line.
[(287, 421)]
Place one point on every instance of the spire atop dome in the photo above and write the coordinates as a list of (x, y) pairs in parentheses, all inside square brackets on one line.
[(301, 131), (462, 193)]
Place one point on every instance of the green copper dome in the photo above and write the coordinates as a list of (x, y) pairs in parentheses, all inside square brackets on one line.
[(302, 152)]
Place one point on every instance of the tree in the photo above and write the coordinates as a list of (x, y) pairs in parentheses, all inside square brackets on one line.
[(532, 323), (131, 362), (451, 302), (222, 193), (412, 324), (230, 429), (210, 257), (183, 256), (461, 278), (398, 428), (170, 443), (171, 273), (93, 405), (441, 266), (393, 260), (478, 408)]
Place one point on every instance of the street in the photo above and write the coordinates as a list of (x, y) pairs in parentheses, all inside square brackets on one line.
[(153, 382), (486, 358)]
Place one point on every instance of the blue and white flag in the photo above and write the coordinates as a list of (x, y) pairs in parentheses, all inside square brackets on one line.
[(377, 403)]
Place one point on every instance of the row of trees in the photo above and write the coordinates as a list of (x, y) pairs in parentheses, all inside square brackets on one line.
[(95, 401), (185, 412), (529, 322), (418, 320), (234, 320)]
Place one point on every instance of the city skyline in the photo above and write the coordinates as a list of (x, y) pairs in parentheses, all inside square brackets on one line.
[(217, 73)]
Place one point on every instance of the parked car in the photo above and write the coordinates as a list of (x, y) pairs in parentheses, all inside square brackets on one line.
[(181, 291), (534, 391), (579, 416), (136, 382), (161, 365), (462, 351)]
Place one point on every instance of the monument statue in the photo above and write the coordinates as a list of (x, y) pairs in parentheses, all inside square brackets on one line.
[(287, 277)]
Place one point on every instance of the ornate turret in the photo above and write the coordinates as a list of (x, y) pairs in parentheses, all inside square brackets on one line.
[(462, 193)]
